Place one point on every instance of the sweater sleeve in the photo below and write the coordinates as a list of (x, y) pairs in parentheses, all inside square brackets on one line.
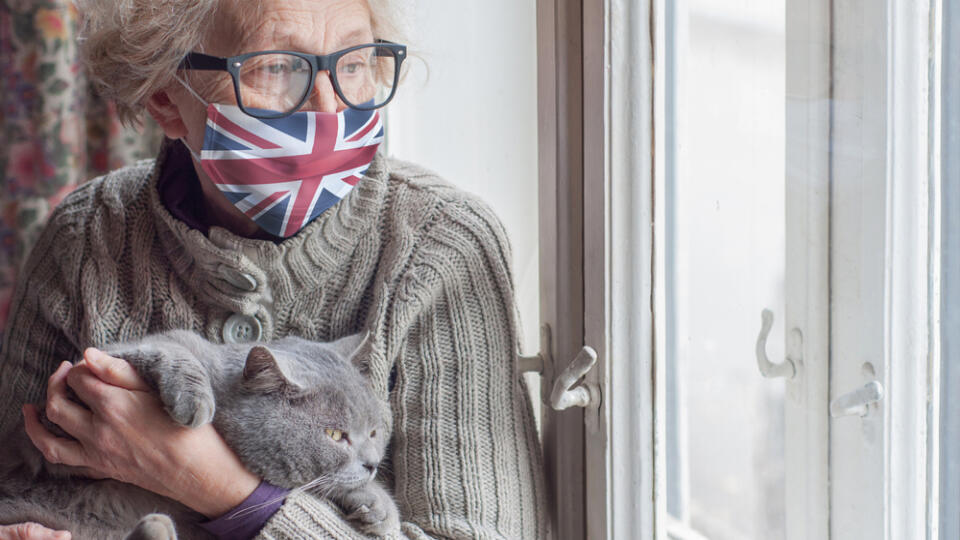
[(465, 453), (41, 329)]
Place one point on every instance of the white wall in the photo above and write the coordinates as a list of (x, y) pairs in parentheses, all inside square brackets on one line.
[(468, 110)]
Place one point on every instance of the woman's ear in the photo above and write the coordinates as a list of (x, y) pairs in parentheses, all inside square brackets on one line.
[(167, 115)]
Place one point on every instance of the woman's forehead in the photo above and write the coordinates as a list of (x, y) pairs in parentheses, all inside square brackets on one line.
[(314, 26)]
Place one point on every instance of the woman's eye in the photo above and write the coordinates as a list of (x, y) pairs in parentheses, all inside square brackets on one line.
[(335, 434), (353, 64), (352, 68)]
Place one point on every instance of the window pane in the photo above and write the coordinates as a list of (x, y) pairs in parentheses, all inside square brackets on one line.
[(725, 265)]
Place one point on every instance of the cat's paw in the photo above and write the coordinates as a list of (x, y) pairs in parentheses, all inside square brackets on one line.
[(153, 527), (180, 379), (191, 409), (372, 509)]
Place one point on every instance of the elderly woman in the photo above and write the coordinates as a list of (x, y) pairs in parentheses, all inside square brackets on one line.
[(302, 238)]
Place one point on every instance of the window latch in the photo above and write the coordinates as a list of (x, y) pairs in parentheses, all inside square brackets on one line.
[(858, 401), (768, 369), (566, 392)]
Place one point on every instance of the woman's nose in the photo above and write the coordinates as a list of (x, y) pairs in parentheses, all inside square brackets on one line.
[(323, 98)]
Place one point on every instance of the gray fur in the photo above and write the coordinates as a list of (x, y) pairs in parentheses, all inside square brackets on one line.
[(271, 403)]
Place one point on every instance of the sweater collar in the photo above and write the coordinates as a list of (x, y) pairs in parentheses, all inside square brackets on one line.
[(302, 260)]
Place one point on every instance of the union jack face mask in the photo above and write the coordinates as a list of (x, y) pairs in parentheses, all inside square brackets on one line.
[(284, 172)]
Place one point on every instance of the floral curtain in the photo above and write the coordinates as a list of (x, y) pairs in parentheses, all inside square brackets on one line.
[(56, 133)]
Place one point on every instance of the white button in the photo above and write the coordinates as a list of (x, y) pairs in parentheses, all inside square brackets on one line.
[(241, 328), (240, 280)]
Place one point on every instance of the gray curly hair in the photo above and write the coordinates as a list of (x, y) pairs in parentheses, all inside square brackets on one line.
[(131, 48)]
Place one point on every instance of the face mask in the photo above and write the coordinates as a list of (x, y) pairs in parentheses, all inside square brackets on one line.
[(284, 172)]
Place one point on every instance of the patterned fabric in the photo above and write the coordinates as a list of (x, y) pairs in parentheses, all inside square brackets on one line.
[(284, 172), (56, 133)]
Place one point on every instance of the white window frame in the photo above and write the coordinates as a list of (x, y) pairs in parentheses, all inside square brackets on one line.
[(884, 267), (807, 300), (863, 264)]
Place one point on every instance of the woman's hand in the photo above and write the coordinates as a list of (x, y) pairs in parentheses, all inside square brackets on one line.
[(31, 531), (126, 434)]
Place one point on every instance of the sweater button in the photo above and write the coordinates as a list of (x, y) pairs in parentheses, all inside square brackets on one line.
[(241, 328), (240, 280)]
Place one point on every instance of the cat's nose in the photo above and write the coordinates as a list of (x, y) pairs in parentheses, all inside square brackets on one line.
[(371, 467)]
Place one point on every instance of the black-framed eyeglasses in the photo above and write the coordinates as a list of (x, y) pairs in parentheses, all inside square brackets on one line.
[(274, 84)]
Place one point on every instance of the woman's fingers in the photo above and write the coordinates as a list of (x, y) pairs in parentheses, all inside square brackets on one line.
[(31, 531), (115, 371), (54, 449), (102, 398), (61, 410)]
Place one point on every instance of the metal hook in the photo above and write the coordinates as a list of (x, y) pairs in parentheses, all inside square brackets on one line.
[(767, 368)]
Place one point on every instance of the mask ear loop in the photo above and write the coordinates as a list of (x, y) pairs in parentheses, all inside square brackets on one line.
[(191, 90), (199, 97)]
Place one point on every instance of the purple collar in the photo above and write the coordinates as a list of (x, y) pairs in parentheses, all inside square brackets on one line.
[(179, 187)]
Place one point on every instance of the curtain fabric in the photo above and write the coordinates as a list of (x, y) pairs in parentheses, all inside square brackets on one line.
[(56, 132)]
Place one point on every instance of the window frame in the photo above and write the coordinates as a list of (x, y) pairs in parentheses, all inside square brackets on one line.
[(603, 272), (601, 475), (807, 283), (884, 268)]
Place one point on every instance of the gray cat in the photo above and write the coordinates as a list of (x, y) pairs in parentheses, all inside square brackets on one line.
[(299, 414)]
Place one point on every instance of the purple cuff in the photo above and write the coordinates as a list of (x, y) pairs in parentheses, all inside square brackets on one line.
[(248, 517)]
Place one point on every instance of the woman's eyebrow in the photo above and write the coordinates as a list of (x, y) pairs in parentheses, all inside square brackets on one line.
[(355, 37), (293, 42)]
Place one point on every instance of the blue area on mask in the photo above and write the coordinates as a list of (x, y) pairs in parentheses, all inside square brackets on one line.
[(272, 220), (213, 140), (324, 201), (354, 119)]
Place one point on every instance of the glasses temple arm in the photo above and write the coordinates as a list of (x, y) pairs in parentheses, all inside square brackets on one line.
[(203, 62)]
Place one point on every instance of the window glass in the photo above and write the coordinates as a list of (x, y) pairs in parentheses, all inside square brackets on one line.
[(725, 264)]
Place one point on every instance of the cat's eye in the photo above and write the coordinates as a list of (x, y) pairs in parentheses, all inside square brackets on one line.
[(335, 434), (373, 434)]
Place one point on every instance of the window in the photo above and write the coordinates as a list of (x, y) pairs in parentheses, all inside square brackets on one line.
[(817, 122), (724, 264)]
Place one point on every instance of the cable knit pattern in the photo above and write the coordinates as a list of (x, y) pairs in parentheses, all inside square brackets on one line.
[(421, 265)]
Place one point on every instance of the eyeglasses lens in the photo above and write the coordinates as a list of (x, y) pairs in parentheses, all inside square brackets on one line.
[(274, 82), (366, 76), (279, 82)]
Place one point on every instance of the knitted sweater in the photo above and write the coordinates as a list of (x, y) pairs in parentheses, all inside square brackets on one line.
[(420, 265)]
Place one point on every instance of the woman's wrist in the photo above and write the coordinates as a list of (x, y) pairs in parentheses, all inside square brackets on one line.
[(214, 497)]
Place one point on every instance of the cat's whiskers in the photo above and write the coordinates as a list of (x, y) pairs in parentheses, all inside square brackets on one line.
[(314, 482)]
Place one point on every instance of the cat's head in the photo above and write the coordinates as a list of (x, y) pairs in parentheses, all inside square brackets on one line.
[(302, 414)]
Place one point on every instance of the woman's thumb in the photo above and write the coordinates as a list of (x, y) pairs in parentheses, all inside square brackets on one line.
[(115, 371)]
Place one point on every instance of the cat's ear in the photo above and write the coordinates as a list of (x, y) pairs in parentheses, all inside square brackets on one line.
[(348, 347), (263, 374)]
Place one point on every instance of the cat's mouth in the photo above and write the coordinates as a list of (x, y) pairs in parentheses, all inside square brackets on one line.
[(356, 482)]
